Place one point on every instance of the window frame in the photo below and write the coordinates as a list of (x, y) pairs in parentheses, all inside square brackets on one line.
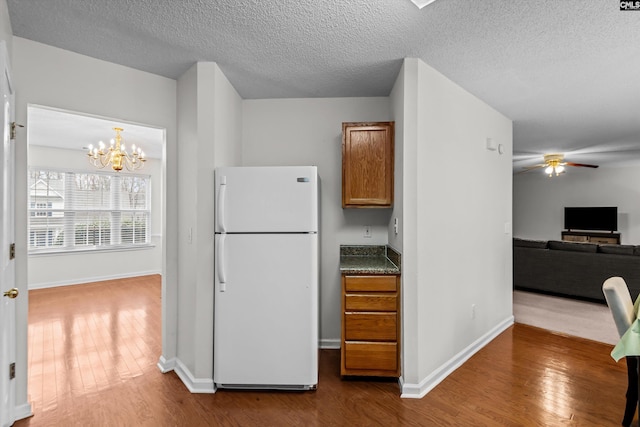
[(66, 216)]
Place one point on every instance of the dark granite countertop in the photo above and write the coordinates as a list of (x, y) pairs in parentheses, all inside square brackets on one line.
[(369, 260)]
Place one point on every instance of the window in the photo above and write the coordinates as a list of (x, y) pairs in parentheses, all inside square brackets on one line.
[(76, 210), (40, 238), (41, 208)]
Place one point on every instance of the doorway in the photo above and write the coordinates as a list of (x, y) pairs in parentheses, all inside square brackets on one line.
[(72, 221), (58, 143)]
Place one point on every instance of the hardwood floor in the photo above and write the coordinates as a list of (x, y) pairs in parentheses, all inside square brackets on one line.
[(93, 351)]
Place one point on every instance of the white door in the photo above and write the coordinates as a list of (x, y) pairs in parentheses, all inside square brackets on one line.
[(7, 263), (267, 199), (266, 311)]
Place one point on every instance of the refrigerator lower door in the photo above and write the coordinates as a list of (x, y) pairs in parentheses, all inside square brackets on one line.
[(266, 311)]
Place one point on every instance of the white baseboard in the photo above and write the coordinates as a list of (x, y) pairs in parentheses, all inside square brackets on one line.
[(418, 391), (330, 343), (166, 365), (194, 385), (83, 280), (23, 411)]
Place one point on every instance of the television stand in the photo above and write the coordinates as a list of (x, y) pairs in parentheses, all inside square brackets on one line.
[(610, 237)]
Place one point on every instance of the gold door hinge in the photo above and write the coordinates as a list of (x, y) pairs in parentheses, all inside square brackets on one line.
[(13, 129), (12, 251), (12, 370)]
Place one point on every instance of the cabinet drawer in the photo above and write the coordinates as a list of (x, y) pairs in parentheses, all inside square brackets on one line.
[(371, 355), (370, 326), (609, 240), (371, 302), (370, 283)]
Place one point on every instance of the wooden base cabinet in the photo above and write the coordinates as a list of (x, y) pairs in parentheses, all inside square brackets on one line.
[(370, 325)]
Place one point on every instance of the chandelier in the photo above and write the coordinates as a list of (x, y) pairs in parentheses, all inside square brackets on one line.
[(116, 155)]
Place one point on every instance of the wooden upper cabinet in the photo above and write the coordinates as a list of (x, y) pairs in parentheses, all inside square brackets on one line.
[(367, 165)]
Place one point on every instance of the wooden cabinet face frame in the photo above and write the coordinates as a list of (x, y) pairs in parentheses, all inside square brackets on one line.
[(370, 325), (367, 164)]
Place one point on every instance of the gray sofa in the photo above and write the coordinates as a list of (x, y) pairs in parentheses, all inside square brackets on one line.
[(575, 270)]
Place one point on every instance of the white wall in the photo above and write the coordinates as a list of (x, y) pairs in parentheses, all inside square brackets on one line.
[(6, 33), (396, 102), (46, 270), (209, 134), (539, 201), (281, 132), (227, 114), (44, 75), (457, 227), (404, 98), (187, 179)]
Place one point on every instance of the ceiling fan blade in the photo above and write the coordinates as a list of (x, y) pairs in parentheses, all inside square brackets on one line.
[(530, 168), (581, 165), (519, 156)]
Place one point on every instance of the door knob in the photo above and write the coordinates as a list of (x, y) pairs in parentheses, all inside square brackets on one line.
[(11, 293)]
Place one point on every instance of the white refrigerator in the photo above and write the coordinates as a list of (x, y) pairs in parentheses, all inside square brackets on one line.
[(266, 278)]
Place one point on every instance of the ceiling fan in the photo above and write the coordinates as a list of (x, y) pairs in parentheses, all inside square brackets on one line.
[(554, 164)]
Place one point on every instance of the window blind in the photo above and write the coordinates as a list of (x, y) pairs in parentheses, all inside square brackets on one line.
[(79, 210)]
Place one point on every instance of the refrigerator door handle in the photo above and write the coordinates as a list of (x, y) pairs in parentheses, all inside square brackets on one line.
[(222, 277), (222, 193)]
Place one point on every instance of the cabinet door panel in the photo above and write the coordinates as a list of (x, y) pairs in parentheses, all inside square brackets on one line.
[(367, 164), (371, 356), (370, 326)]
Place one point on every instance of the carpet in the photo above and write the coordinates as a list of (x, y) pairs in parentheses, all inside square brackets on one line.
[(567, 316)]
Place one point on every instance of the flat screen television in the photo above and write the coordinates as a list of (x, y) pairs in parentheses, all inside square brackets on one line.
[(603, 218)]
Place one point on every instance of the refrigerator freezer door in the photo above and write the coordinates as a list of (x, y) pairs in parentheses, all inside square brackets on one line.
[(266, 316), (266, 199)]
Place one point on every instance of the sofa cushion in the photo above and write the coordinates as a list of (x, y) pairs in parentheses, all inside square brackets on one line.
[(616, 249), (525, 243), (573, 246)]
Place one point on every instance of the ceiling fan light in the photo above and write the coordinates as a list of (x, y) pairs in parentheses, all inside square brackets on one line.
[(559, 169), (549, 170), (422, 3)]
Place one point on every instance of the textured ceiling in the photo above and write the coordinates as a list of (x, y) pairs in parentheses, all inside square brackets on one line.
[(565, 71)]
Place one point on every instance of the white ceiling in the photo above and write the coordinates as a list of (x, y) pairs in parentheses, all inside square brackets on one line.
[(72, 131), (565, 71)]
